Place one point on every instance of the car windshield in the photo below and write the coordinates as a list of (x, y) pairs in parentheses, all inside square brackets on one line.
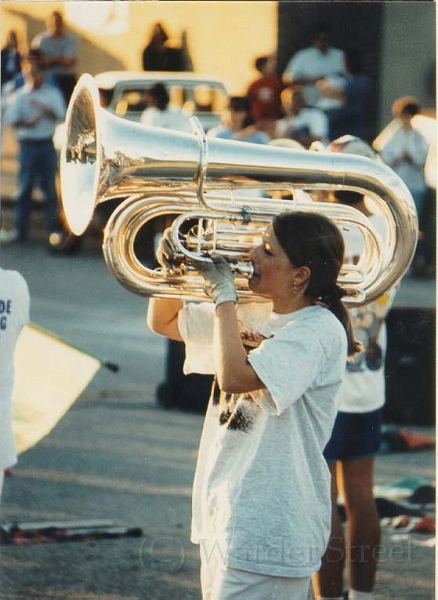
[(194, 98)]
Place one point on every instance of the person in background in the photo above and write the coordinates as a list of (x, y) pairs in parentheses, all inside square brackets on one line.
[(33, 112), (353, 92), (160, 114), (405, 152), (34, 55), (10, 58), (158, 55), (356, 435), (8, 90), (313, 64), (303, 124), (238, 124), (11, 61), (264, 95), (14, 314), (59, 49), (261, 495)]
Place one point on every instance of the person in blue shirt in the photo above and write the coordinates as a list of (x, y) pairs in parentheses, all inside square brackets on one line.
[(33, 112), (238, 124), (59, 48)]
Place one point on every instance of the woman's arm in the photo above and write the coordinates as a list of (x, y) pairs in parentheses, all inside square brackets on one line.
[(162, 317), (234, 373)]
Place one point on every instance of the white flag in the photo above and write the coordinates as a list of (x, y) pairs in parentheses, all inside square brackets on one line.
[(50, 375)]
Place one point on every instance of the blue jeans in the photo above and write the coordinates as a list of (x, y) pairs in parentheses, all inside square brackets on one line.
[(38, 165)]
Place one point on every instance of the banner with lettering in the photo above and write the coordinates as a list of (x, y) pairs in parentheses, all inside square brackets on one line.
[(50, 375)]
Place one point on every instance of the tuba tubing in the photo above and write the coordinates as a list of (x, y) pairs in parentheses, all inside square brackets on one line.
[(106, 157), (126, 221)]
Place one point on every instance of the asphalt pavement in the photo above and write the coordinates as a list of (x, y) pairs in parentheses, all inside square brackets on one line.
[(118, 459)]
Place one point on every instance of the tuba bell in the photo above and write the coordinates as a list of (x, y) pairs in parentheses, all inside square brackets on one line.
[(219, 196)]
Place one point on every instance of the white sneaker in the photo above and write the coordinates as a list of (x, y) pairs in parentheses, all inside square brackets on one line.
[(8, 235)]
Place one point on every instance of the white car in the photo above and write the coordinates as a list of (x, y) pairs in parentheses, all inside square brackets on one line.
[(124, 93)]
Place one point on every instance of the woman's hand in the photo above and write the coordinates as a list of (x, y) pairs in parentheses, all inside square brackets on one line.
[(219, 284)]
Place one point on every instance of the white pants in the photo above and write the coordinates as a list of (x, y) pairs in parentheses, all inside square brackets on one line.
[(219, 582), (2, 478)]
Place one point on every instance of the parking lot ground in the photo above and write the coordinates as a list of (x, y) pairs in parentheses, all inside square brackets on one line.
[(127, 462)]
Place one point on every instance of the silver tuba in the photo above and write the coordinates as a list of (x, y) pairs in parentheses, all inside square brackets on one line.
[(219, 196)]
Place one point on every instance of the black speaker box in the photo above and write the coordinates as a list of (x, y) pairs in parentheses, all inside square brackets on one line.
[(410, 367)]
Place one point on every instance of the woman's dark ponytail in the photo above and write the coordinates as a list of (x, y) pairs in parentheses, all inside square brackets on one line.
[(334, 303), (313, 240)]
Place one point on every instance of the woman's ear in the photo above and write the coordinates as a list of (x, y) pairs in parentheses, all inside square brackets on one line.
[(301, 275)]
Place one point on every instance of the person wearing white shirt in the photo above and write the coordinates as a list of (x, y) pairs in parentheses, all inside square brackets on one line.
[(406, 153), (301, 123), (59, 48), (314, 63), (14, 314), (261, 501), (160, 114), (356, 435), (406, 150), (34, 112)]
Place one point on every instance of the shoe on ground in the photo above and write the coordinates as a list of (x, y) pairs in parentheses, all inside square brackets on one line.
[(8, 235)]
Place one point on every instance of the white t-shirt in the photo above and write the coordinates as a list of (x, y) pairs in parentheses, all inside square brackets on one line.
[(313, 119), (363, 387), (261, 494), (65, 46), (415, 144), (170, 118), (14, 313), (311, 62), (24, 105)]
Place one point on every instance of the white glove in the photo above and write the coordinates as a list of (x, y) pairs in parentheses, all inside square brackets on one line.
[(219, 284)]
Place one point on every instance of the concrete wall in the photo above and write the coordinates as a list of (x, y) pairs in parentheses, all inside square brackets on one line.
[(397, 41), (223, 37), (408, 54)]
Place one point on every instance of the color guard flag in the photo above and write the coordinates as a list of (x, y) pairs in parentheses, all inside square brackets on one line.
[(50, 375)]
